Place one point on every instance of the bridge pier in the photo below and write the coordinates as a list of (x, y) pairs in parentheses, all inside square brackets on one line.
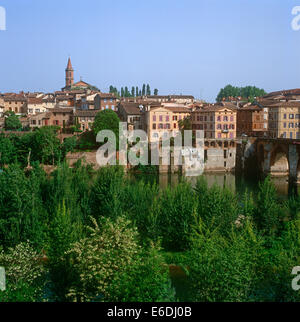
[(293, 163)]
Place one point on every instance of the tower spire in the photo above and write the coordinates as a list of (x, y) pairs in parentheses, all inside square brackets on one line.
[(69, 74)]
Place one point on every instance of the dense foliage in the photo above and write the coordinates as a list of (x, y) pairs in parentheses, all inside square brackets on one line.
[(41, 145), (85, 235), (134, 92), (247, 92)]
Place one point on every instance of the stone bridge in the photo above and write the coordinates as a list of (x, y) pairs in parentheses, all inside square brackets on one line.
[(279, 157)]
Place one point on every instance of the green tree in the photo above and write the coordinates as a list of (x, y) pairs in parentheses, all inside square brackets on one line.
[(12, 122), (155, 91), (102, 257), (25, 274), (107, 120)]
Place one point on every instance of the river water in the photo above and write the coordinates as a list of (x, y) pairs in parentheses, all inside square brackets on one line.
[(237, 184)]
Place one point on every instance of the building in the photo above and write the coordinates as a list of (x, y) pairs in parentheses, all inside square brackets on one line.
[(158, 120), (62, 117), (179, 99), (69, 80), (87, 102), (218, 121), (284, 120), (252, 120), (105, 101), (39, 119), (1, 106), (85, 119), (131, 114), (16, 103), (35, 105)]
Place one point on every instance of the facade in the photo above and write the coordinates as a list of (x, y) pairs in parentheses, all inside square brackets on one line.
[(218, 121), (39, 120), (16, 103), (62, 117), (284, 120), (85, 119), (252, 120), (105, 101), (35, 106), (158, 120), (131, 114), (87, 102)]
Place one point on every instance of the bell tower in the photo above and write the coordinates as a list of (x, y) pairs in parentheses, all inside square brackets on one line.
[(69, 74)]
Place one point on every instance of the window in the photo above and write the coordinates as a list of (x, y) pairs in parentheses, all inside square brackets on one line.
[(154, 118), (284, 124), (231, 118), (174, 118), (113, 107), (160, 126), (167, 118), (175, 125), (106, 107), (160, 118), (291, 116), (284, 116), (225, 118), (291, 135), (154, 126), (219, 118)]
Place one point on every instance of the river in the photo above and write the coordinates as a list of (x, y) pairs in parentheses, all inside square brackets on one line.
[(237, 184)]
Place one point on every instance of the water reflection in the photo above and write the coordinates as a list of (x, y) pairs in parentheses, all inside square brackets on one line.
[(237, 184)]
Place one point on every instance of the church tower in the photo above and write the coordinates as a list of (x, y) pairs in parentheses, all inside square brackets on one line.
[(69, 74)]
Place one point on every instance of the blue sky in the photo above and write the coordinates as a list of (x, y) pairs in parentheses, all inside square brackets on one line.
[(178, 46)]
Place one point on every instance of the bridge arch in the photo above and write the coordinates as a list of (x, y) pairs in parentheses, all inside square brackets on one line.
[(279, 163)]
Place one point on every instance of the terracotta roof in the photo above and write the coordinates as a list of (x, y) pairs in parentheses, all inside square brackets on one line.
[(86, 113), (131, 108), (62, 110), (286, 104), (177, 109), (34, 100)]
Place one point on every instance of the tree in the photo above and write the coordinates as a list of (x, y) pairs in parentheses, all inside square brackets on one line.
[(45, 145), (248, 92), (101, 258), (133, 91), (144, 90), (107, 120), (224, 268), (122, 92), (148, 91), (155, 91), (25, 274), (136, 91), (12, 122), (8, 151)]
